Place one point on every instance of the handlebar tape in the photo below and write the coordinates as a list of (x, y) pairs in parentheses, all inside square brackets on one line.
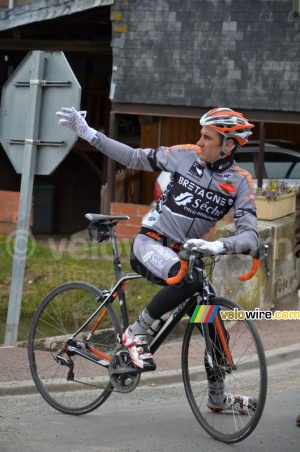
[(180, 275), (252, 271), (184, 266)]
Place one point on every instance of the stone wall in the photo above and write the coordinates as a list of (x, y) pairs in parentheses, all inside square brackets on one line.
[(260, 291)]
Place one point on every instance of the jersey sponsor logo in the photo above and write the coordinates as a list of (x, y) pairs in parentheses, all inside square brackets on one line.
[(147, 256), (183, 199), (153, 235), (154, 260), (210, 207), (204, 193), (164, 252), (185, 147), (151, 218), (199, 202), (227, 175), (196, 171), (228, 187), (159, 257), (224, 166), (251, 196)]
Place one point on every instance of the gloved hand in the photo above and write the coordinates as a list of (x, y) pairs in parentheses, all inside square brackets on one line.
[(216, 247), (69, 117)]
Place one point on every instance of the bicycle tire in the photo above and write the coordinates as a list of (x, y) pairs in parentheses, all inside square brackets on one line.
[(249, 378), (55, 320)]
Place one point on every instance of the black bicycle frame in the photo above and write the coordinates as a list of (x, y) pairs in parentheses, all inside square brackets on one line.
[(175, 317), (186, 307)]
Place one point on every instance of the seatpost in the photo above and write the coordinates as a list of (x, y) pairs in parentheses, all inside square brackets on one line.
[(116, 260), (119, 275)]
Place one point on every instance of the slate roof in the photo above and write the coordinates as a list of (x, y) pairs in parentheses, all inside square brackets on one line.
[(39, 10), (202, 53)]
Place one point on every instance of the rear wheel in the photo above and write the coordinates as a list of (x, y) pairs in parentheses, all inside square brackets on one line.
[(247, 377), (69, 382)]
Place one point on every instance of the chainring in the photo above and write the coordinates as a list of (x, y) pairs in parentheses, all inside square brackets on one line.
[(123, 376)]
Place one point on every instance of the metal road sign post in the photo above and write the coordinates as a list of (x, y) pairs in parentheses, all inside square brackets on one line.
[(35, 144)]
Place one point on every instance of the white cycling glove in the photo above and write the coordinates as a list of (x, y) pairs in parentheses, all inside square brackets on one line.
[(69, 117), (205, 247)]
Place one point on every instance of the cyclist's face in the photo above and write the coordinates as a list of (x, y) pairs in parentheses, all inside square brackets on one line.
[(210, 143)]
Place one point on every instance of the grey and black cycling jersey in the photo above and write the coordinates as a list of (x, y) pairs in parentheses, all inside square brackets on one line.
[(199, 194)]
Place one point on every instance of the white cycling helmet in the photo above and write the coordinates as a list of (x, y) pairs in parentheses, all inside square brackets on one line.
[(231, 124)]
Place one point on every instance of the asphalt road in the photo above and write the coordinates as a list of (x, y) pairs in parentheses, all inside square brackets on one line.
[(154, 418)]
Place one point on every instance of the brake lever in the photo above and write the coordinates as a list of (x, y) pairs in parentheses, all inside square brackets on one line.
[(191, 263)]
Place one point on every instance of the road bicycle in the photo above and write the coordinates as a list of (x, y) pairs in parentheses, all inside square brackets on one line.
[(77, 363)]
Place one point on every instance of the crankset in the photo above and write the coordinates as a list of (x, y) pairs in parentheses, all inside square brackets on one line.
[(123, 376)]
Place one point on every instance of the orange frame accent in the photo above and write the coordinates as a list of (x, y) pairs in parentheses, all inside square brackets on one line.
[(223, 339), (98, 321), (100, 354)]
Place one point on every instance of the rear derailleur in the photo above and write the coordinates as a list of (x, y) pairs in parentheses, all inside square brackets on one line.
[(64, 358)]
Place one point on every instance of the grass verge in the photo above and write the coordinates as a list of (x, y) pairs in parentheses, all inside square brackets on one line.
[(51, 262)]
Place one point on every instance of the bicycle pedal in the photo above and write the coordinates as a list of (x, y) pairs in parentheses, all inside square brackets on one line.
[(122, 360)]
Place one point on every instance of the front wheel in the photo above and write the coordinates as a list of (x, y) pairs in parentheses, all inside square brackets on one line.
[(69, 382), (246, 377)]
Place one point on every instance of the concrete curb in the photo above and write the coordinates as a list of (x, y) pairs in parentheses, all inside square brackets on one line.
[(282, 354), (157, 378)]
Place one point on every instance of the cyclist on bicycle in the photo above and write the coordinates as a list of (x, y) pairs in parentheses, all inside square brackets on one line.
[(206, 183)]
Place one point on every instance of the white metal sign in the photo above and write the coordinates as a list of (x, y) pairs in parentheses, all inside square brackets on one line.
[(59, 87)]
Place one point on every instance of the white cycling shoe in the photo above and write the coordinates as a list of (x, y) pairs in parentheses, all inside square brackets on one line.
[(237, 403), (137, 346)]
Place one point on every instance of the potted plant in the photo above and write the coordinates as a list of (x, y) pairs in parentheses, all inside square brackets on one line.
[(276, 200)]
